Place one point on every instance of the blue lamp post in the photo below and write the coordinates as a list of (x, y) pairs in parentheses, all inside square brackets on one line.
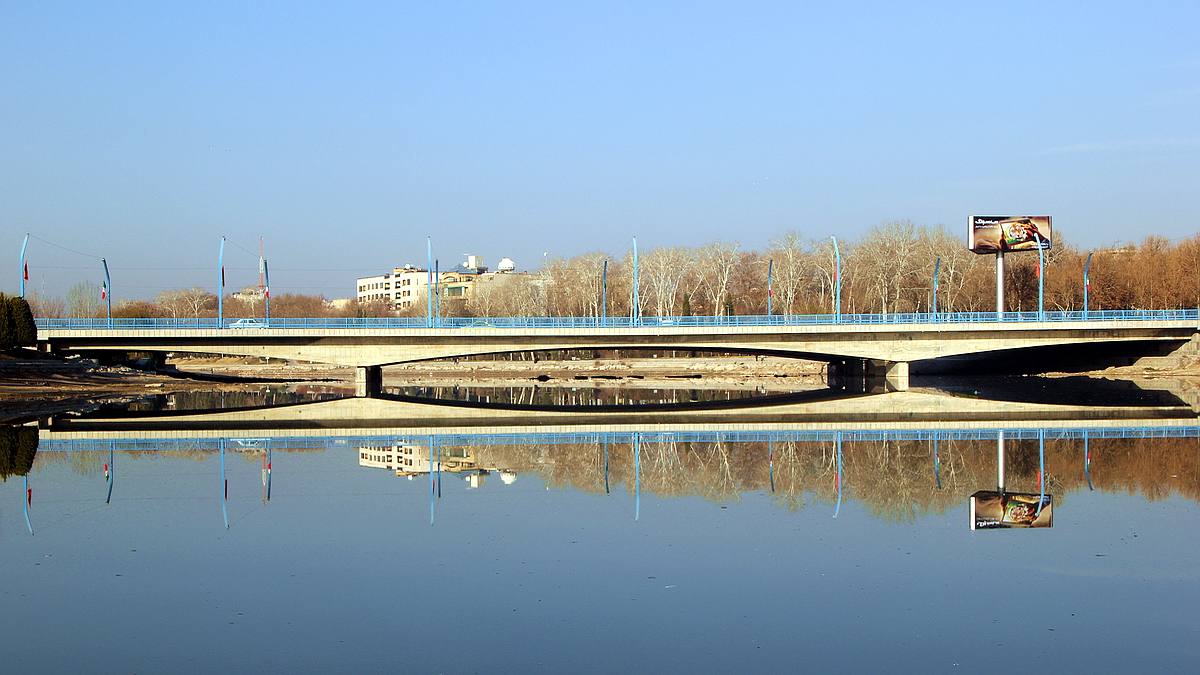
[(837, 280)]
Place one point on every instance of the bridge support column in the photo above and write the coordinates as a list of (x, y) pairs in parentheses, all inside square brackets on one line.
[(869, 376), (896, 374), (368, 381)]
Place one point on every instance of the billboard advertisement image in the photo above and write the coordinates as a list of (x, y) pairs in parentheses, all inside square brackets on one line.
[(1003, 510), (992, 234)]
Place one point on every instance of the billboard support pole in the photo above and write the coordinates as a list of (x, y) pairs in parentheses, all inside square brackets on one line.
[(1000, 462), (1041, 279), (1000, 285)]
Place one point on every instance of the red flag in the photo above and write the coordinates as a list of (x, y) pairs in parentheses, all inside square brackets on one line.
[(26, 271), (266, 292), (103, 291)]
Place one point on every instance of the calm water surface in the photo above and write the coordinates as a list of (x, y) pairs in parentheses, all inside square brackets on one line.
[(707, 556)]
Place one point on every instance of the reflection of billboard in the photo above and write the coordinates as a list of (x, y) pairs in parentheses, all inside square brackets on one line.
[(990, 234), (996, 510)]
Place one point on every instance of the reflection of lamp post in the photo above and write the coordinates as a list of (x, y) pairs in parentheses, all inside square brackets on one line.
[(28, 503), (937, 464), (224, 484), (637, 475), (1087, 461), (837, 479), (110, 472), (606, 465), (771, 461)]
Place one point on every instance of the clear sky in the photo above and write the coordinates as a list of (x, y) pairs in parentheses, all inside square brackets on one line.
[(345, 134)]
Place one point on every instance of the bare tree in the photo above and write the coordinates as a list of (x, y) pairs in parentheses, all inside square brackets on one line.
[(793, 270), (83, 301), (663, 271), (187, 303), (714, 265)]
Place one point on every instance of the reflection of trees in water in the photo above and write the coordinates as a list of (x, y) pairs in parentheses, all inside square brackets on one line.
[(18, 447), (894, 479), (220, 400), (583, 394), (91, 462)]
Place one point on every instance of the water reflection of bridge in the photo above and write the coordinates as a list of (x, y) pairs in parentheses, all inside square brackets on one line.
[(907, 410), (215, 439)]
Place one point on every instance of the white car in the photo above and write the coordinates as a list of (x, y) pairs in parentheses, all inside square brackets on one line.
[(248, 323)]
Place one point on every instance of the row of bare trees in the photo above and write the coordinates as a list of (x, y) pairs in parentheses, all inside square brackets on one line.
[(890, 270)]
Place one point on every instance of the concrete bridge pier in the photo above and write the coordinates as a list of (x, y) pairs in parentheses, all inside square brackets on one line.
[(368, 381), (870, 376)]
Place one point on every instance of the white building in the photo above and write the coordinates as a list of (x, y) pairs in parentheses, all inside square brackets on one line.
[(404, 286), (400, 288), (414, 460)]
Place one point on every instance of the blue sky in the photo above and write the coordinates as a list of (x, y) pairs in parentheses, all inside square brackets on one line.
[(344, 135)]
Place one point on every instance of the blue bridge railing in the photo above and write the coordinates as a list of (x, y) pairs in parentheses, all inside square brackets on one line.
[(250, 442), (627, 322)]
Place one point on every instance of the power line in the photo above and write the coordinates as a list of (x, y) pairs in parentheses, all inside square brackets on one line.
[(50, 243)]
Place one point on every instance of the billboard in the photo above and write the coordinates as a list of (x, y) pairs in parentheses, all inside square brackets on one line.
[(992, 234), (1003, 510)]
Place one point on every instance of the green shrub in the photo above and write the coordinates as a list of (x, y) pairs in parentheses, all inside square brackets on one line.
[(24, 327)]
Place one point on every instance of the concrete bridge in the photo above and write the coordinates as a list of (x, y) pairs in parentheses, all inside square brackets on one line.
[(859, 346)]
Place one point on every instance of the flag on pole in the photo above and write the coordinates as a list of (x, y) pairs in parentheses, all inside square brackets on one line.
[(267, 292), (222, 276), (26, 271), (103, 290)]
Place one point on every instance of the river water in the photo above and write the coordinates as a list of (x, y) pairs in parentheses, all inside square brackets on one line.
[(840, 547)]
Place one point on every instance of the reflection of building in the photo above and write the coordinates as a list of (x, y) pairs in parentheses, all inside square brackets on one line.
[(413, 460)]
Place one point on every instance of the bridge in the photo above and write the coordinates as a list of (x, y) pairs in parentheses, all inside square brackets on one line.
[(856, 346)]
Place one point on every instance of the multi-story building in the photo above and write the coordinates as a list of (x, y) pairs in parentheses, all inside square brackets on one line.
[(404, 286), (400, 288)]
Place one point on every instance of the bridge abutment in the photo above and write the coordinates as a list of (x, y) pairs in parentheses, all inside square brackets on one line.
[(368, 381)]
